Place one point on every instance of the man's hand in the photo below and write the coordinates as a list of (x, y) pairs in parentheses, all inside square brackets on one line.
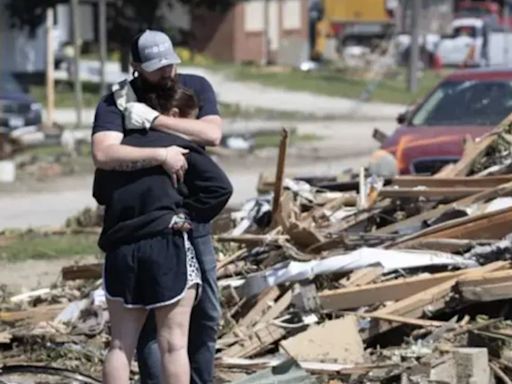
[(175, 163), (139, 115)]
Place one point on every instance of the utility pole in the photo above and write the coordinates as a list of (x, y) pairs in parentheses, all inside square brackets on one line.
[(506, 17), (102, 34), (50, 68), (414, 51), (76, 64), (265, 41)]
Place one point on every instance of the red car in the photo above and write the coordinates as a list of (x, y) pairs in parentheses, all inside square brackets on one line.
[(469, 102)]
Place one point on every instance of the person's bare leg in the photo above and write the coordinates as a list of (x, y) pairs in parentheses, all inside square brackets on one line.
[(125, 324), (172, 333)]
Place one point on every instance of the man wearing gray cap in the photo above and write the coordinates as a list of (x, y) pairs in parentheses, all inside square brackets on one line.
[(154, 64)]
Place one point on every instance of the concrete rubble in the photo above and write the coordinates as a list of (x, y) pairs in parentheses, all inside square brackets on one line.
[(407, 280)]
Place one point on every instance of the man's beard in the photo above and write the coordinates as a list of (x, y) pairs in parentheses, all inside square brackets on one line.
[(158, 96)]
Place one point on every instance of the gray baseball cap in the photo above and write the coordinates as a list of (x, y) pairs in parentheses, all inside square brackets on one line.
[(154, 50)]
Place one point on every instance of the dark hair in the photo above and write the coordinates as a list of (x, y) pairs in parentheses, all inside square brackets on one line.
[(184, 100)]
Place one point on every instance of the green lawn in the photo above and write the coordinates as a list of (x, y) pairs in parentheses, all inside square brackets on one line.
[(65, 96), (34, 246)]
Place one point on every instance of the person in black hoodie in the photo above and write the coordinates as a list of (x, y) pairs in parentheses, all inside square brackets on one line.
[(149, 262)]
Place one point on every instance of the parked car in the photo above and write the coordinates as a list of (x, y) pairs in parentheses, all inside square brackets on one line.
[(17, 108), (431, 135)]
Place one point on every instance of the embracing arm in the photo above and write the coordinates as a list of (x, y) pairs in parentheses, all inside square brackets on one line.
[(206, 131), (108, 153)]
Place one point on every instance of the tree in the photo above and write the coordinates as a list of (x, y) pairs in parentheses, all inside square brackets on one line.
[(125, 17)]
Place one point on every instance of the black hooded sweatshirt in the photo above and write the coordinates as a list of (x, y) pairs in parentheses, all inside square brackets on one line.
[(140, 204)]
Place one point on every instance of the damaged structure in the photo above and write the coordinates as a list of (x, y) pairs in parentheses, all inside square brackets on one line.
[(400, 280)]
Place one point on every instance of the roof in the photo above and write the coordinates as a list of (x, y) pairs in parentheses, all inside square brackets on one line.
[(501, 73)]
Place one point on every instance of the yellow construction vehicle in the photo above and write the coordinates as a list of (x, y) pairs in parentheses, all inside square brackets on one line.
[(354, 22)]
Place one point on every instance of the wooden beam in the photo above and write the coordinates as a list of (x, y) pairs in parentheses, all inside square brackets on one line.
[(362, 276), (77, 272), (264, 301), (428, 193), (252, 239), (281, 162), (432, 298), (473, 152), (355, 297), (450, 182), (502, 190), (277, 308), (492, 225), (491, 292), (399, 319), (257, 342)]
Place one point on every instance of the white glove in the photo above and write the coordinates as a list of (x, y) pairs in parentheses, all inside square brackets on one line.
[(139, 116)]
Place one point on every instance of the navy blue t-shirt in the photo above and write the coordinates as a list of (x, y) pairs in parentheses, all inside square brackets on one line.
[(110, 118)]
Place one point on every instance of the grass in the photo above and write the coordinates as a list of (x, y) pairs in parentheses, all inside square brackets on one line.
[(36, 246), (341, 83), (65, 96)]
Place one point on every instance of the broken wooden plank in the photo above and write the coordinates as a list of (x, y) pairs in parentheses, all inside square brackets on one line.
[(334, 341), (263, 303), (474, 151), (355, 297), (415, 221), (399, 319), (5, 338), (448, 245), (428, 193), (258, 341), (450, 182), (252, 239), (33, 315), (280, 305), (432, 298), (486, 226), (281, 163), (490, 292), (82, 272), (362, 276)]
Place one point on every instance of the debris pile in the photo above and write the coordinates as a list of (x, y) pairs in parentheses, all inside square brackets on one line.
[(403, 280)]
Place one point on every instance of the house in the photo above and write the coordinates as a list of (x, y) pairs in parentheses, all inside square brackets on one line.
[(254, 31), (22, 52)]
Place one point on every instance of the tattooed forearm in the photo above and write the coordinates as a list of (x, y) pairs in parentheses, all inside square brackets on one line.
[(135, 165)]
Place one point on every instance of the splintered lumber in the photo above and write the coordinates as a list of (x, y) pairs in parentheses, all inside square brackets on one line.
[(264, 301), (278, 187), (277, 308), (334, 341), (362, 277), (428, 193), (446, 245), (451, 182), (400, 319), (257, 341), (493, 226), (355, 297), (252, 239), (490, 287), (473, 152), (33, 315), (432, 298), (5, 338), (503, 190), (77, 272)]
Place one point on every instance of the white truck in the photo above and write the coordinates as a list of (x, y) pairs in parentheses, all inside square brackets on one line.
[(475, 43)]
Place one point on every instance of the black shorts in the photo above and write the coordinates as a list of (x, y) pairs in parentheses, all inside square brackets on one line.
[(149, 273)]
